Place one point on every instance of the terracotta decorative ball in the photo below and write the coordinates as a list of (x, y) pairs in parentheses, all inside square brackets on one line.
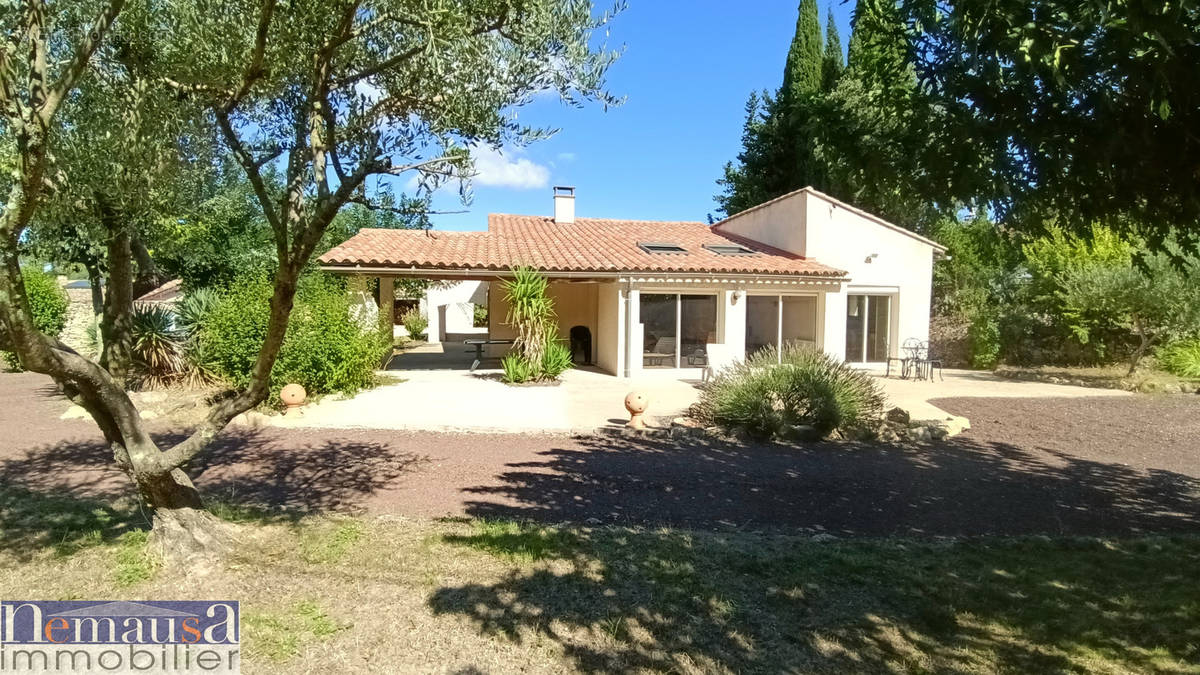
[(293, 396), (636, 403)]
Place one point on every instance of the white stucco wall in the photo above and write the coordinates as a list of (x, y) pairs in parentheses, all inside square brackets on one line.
[(609, 341), (901, 264), (451, 309)]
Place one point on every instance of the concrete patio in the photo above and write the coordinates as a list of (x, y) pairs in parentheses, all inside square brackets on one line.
[(429, 388)]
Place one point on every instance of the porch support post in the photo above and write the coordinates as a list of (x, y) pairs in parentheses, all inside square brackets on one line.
[(733, 302), (633, 332), (387, 303), (833, 339)]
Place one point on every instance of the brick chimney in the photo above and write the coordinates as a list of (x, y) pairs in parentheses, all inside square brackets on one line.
[(564, 204)]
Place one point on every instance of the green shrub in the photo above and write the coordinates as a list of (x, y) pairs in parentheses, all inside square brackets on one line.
[(415, 323), (479, 316), (983, 339), (556, 360), (517, 369), (48, 305), (324, 350), (1181, 358), (805, 388)]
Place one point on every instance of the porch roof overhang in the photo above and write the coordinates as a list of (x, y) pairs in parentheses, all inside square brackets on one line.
[(442, 273)]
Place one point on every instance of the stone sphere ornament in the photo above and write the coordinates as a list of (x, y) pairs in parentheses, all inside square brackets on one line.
[(293, 396), (636, 403)]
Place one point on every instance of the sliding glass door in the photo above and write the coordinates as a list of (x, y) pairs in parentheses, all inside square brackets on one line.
[(868, 326), (775, 320), (676, 328)]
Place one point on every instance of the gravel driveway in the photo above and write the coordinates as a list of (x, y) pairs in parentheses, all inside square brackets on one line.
[(1110, 466)]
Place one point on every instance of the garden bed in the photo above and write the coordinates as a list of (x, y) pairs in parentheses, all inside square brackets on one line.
[(1103, 377)]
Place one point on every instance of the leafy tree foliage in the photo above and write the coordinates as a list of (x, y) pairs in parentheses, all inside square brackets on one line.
[(323, 95), (1155, 303), (863, 133), (1084, 110)]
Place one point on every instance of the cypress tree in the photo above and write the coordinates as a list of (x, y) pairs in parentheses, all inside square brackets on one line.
[(802, 72), (831, 63), (878, 46)]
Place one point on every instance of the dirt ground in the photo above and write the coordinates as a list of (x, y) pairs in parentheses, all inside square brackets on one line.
[(1114, 466)]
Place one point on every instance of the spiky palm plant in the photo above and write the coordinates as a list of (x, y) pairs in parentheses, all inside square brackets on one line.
[(531, 312), (157, 346), (193, 308)]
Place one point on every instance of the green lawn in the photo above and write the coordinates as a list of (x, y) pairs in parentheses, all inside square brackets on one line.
[(392, 595)]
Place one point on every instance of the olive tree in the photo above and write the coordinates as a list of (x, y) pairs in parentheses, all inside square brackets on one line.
[(326, 95)]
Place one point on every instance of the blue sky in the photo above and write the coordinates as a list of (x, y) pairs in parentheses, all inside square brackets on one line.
[(686, 72)]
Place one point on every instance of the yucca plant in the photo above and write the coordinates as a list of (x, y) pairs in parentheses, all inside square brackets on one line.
[(530, 312), (516, 369), (556, 360), (193, 308), (157, 346)]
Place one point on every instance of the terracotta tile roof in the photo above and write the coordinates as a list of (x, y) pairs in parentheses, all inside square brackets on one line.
[(587, 245), (168, 292)]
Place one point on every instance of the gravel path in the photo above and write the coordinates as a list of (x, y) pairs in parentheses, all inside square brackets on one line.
[(1054, 466)]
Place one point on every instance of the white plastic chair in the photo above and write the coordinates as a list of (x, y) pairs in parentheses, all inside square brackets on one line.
[(720, 357)]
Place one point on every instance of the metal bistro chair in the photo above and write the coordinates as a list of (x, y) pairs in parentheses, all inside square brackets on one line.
[(930, 362), (925, 363)]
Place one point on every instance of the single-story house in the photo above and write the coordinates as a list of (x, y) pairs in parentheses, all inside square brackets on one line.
[(651, 294)]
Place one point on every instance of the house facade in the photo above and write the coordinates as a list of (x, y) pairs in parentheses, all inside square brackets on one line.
[(804, 267)]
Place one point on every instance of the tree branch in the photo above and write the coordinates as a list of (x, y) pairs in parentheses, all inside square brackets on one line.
[(83, 54), (254, 69), (253, 174), (396, 60)]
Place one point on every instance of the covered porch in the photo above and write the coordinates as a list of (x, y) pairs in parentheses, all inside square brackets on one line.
[(661, 326)]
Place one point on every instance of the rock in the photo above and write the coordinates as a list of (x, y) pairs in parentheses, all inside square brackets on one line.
[(898, 415), (823, 537), (888, 434), (918, 433), (250, 420), (685, 422), (152, 396), (74, 413), (148, 414), (802, 432)]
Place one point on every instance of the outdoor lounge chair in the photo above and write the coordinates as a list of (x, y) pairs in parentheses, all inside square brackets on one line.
[(664, 348)]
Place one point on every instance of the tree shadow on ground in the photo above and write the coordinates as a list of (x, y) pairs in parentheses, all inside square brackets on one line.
[(719, 599), (958, 487), (48, 492), (618, 599)]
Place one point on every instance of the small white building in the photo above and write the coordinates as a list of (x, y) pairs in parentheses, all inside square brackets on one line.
[(651, 295)]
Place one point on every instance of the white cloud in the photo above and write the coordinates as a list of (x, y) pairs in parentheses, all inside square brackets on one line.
[(566, 157), (498, 168)]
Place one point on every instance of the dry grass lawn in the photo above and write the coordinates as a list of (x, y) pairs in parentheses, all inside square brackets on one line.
[(342, 594)]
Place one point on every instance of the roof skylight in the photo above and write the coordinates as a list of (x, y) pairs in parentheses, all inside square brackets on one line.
[(660, 247), (730, 249)]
